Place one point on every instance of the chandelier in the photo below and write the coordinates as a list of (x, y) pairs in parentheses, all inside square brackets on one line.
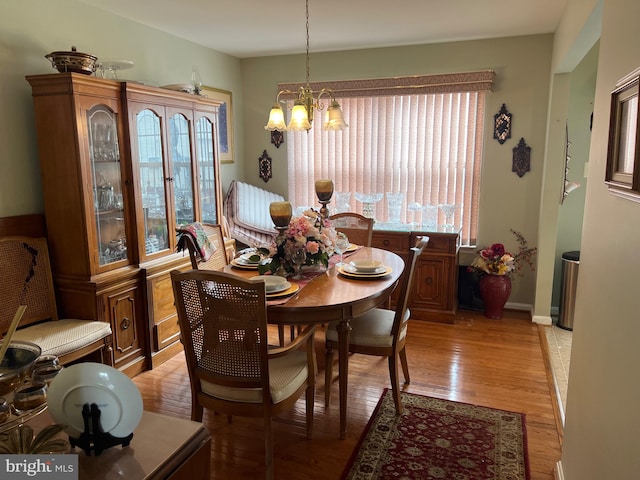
[(304, 104)]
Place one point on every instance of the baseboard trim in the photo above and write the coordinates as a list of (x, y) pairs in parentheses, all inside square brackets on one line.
[(557, 472), (542, 320)]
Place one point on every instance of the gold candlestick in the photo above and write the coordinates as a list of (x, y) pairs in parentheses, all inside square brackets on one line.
[(324, 191)]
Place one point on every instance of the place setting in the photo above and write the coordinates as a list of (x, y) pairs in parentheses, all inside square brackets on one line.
[(363, 269), (247, 261), (276, 286)]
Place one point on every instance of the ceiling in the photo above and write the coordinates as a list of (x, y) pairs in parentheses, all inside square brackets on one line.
[(250, 28)]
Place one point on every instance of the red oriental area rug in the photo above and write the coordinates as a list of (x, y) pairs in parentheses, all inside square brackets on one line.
[(440, 439)]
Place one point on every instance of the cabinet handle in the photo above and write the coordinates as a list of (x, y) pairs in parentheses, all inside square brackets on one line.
[(169, 179), (126, 323), (385, 243)]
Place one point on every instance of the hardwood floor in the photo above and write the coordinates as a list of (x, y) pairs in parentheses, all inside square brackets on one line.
[(493, 363)]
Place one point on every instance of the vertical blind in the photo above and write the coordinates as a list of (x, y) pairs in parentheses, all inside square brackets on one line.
[(427, 146)]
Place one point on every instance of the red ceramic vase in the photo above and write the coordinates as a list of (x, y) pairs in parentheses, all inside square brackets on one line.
[(495, 291)]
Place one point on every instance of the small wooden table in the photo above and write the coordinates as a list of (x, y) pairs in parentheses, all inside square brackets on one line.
[(162, 448), (331, 297)]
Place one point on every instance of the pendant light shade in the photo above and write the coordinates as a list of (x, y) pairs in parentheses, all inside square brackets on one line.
[(302, 112), (276, 119)]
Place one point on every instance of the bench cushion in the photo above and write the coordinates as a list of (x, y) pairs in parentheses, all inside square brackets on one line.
[(60, 337)]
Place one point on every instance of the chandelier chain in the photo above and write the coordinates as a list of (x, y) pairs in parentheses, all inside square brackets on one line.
[(307, 25)]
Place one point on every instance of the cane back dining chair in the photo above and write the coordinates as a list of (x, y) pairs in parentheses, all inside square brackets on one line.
[(381, 332), (357, 228), (223, 324), (26, 279), (217, 260)]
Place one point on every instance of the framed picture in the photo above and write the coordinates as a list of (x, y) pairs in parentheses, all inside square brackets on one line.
[(225, 122), (623, 165)]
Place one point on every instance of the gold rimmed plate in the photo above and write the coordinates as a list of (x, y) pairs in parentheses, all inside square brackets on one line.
[(252, 266), (293, 288), (344, 270), (352, 248)]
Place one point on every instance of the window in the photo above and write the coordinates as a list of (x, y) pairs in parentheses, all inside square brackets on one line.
[(412, 139)]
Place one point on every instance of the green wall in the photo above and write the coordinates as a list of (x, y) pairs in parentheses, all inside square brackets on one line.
[(30, 29), (522, 66)]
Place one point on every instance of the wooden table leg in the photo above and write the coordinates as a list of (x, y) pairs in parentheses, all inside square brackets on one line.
[(343, 329)]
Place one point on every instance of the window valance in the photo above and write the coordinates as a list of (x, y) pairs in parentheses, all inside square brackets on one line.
[(417, 84)]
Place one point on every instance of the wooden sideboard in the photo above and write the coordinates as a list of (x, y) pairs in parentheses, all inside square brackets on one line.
[(434, 296)]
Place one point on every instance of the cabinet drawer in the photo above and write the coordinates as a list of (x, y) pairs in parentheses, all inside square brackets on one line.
[(439, 244), (395, 242)]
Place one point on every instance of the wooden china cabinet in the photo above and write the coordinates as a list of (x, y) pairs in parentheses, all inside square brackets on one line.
[(122, 164)]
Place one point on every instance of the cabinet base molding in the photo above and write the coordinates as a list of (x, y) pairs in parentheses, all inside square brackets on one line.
[(158, 358)]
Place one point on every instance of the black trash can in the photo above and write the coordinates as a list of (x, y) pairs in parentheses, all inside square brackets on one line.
[(570, 264)]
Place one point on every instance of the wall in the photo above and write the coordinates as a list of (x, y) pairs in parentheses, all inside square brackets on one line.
[(522, 66), (580, 107), (30, 29), (602, 416)]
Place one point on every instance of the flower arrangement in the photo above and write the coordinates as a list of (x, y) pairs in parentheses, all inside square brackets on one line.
[(311, 232), (495, 260)]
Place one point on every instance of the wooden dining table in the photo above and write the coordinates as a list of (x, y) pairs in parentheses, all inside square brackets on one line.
[(333, 297)]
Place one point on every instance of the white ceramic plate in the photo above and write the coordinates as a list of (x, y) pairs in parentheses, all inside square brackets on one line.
[(366, 266), (246, 259), (115, 394), (291, 289), (180, 87), (347, 267), (361, 275), (273, 283), (236, 263)]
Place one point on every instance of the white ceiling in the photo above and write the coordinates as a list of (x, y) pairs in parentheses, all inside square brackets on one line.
[(249, 28)]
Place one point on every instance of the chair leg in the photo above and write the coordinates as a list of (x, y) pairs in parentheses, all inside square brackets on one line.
[(395, 386), (196, 411), (268, 447), (405, 366), (328, 374), (281, 335), (310, 399)]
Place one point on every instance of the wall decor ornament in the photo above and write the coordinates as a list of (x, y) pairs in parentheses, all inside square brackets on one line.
[(567, 186), (502, 125), (277, 137), (521, 158), (264, 166)]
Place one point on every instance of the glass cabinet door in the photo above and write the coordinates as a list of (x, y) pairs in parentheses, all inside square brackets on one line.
[(181, 168), (108, 200), (152, 180), (205, 152)]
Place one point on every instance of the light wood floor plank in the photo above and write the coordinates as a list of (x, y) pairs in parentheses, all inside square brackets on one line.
[(493, 363)]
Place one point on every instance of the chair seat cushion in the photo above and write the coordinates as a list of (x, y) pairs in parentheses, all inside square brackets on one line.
[(286, 375), (60, 337), (373, 329)]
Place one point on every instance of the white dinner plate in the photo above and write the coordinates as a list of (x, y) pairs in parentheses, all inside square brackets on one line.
[(112, 391), (342, 270), (273, 283), (351, 248), (236, 263), (354, 270), (245, 259)]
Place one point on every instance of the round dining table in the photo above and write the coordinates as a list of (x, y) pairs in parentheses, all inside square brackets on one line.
[(332, 296)]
